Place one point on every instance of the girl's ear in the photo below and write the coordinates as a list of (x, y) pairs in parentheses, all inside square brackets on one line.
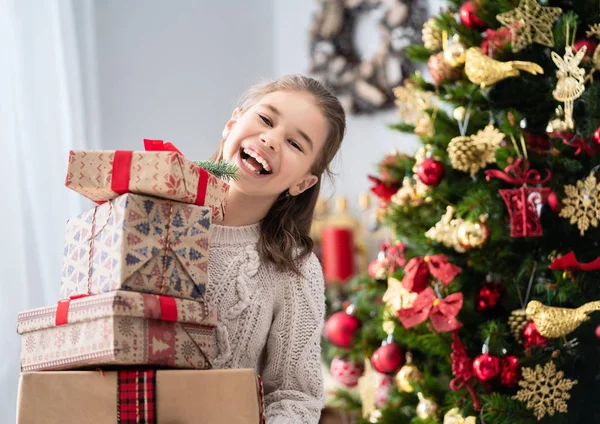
[(306, 183), (229, 125)]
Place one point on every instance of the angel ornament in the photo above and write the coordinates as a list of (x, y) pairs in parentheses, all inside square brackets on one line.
[(571, 81)]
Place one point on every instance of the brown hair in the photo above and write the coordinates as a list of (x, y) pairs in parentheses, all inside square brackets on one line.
[(284, 231)]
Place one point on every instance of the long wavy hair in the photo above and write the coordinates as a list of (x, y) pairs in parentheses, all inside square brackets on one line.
[(284, 232)]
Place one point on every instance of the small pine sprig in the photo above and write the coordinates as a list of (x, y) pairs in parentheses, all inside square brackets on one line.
[(223, 170)]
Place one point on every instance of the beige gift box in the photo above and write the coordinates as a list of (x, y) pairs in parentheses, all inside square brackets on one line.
[(102, 175), (138, 243), (121, 328), (181, 397)]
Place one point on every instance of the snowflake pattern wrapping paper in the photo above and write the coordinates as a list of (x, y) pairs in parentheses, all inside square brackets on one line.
[(102, 175), (119, 328), (138, 243)]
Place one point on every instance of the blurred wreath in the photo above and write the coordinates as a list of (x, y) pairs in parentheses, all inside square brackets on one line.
[(363, 86)]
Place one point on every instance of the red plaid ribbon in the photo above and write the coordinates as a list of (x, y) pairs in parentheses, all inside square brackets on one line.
[(136, 401)]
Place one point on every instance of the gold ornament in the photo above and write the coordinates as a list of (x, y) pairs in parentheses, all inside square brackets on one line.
[(472, 234), (571, 81), (408, 375), (396, 297), (367, 388), (426, 408), (411, 193), (375, 416), (552, 322), (454, 416), (530, 23), (455, 52), (517, 322), (594, 30), (559, 123), (431, 35), (472, 153), (459, 113), (545, 390), (412, 106), (446, 229), (582, 204), (485, 71)]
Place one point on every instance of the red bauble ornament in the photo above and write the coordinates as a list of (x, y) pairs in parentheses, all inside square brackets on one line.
[(510, 374), (590, 44), (531, 337), (489, 296), (388, 358), (554, 202), (430, 172), (486, 366), (468, 17), (340, 329), (597, 136), (346, 372)]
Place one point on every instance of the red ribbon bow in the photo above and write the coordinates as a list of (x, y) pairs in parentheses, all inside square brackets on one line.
[(514, 174), (569, 261), (572, 140), (419, 269), (160, 146), (383, 190), (441, 312), (462, 369)]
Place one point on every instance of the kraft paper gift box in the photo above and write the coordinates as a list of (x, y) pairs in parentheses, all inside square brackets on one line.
[(229, 396), (137, 243), (160, 171), (118, 328)]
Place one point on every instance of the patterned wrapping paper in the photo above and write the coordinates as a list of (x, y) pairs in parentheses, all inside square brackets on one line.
[(96, 174), (138, 243), (119, 328)]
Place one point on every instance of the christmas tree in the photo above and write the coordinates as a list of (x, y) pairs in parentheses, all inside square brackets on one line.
[(481, 308)]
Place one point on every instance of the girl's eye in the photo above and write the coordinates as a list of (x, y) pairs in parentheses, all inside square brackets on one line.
[(295, 145), (266, 120)]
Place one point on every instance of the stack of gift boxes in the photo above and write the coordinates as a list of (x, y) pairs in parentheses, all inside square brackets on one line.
[(133, 335)]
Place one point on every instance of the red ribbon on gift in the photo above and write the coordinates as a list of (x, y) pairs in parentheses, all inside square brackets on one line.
[(441, 312), (62, 309), (121, 169), (515, 174), (569, 261), (419, 269)]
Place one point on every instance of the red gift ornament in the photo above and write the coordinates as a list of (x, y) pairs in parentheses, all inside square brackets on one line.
[(462, 369), (510, 374), (486, 366), (340, 329), (388, 358), (420, 268), (441, 312), (524, 204)]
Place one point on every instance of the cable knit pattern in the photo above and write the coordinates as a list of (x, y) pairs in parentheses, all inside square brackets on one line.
[(270, 321)]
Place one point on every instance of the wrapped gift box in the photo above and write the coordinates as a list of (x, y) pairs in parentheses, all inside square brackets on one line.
[(138, 243), (124, 328), (140, 396), (102, 175)]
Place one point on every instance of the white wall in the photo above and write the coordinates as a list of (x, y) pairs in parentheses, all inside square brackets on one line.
[(173, 70)]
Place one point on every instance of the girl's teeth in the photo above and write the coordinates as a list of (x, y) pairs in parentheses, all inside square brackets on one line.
[(260, 159), (249, 165)]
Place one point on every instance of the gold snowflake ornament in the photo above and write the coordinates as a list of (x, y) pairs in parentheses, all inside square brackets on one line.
[(412, 105), (545, 390), (530, 23), (473, 153), (582, 204)]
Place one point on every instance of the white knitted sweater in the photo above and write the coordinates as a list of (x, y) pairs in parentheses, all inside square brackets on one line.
[(270, 321)]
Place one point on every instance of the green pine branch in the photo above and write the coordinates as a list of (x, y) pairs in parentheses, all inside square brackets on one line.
[(223, 170)]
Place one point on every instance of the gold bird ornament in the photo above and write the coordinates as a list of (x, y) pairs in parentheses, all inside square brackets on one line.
[(552, 322), (485, 71)]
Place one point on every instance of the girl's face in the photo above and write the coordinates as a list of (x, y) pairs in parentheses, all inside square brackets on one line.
[(275, 143)]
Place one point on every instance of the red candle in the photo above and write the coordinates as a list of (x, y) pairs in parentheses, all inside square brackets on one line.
[(337, 251)]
